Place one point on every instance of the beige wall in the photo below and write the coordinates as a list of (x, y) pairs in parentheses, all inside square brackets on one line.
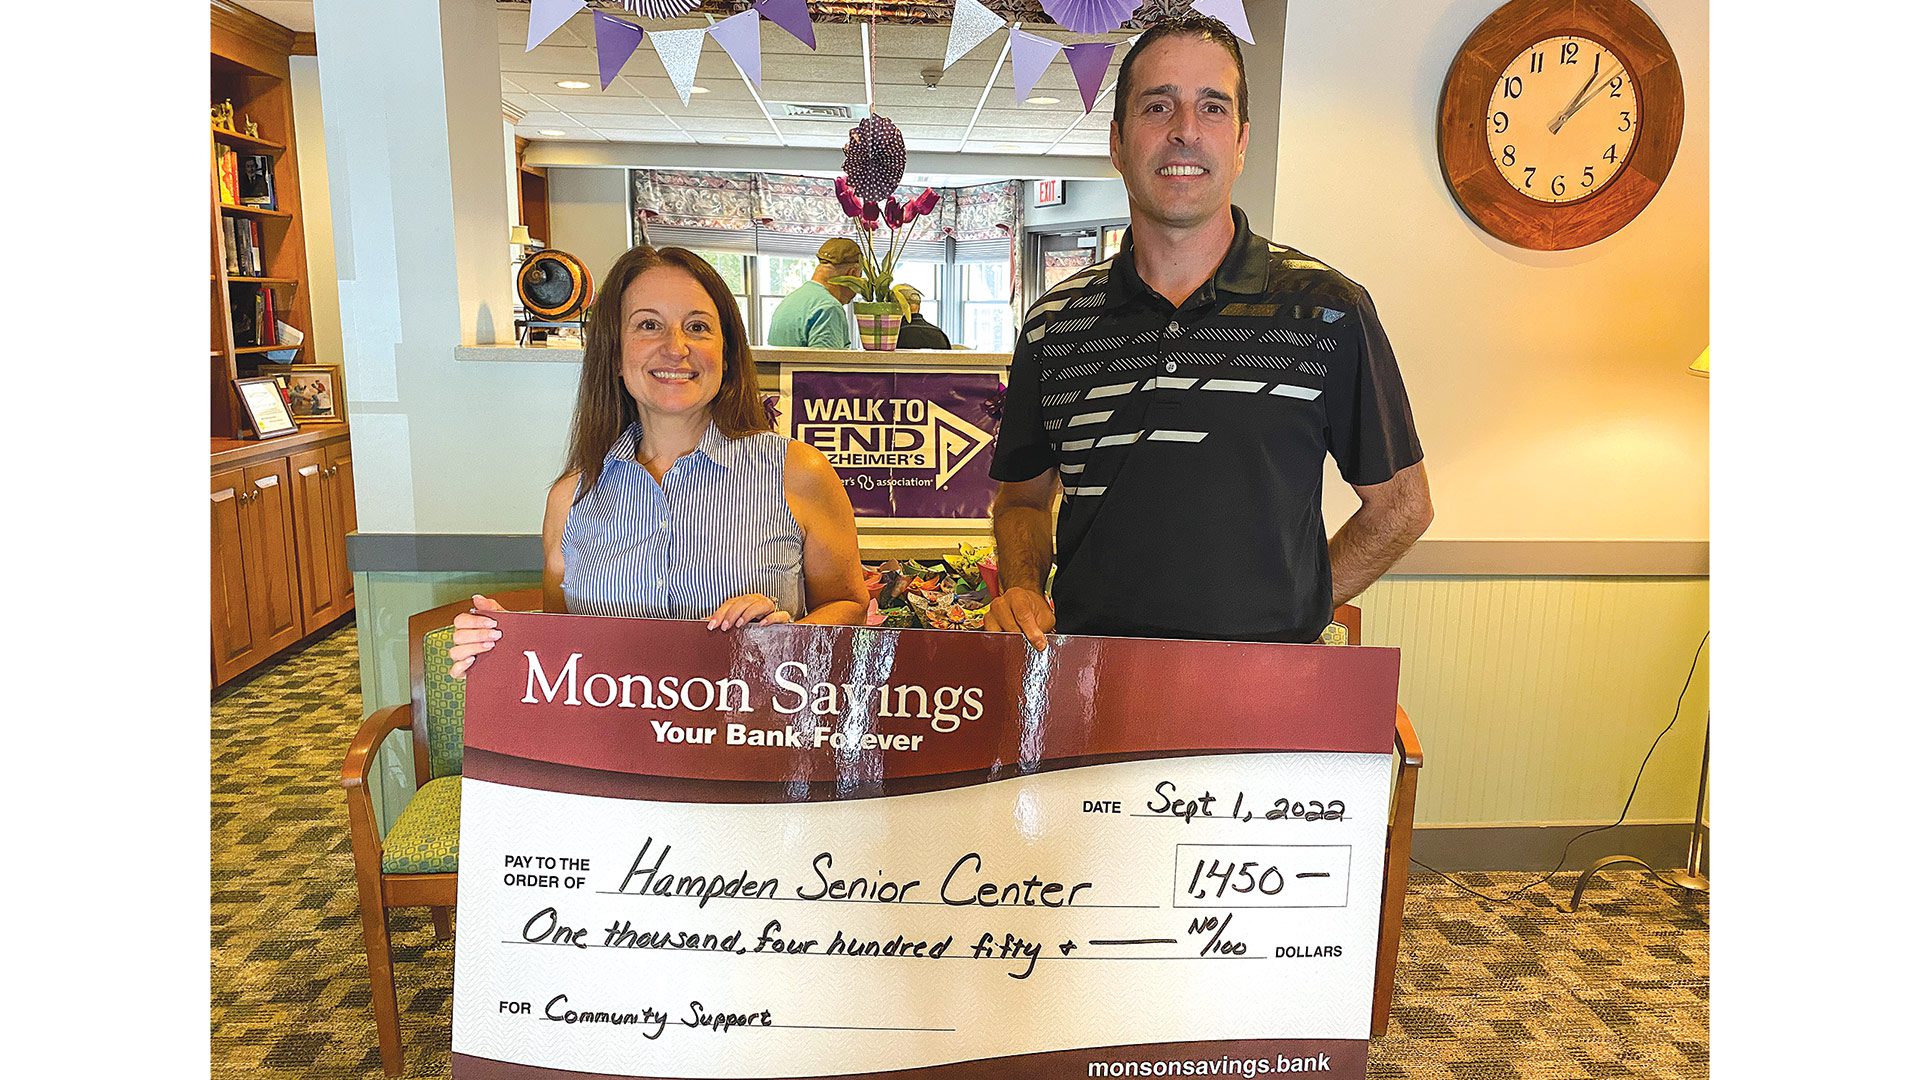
[(316, 212), (1550, 388), (589, 215)]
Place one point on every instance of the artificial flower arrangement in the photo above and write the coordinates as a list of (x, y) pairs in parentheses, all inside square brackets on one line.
[(950, 594), (875, 162)]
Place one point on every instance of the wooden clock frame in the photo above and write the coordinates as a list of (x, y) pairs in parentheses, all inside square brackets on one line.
[(1626, 31)]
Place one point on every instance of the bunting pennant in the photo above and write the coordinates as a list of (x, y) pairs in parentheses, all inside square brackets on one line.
[(614, 40), (1089, 60), (546, 16), (1031, 55), (680, 54), (973, 23), (1231, 12), (1089, 16), (740, 36), (789, 15)]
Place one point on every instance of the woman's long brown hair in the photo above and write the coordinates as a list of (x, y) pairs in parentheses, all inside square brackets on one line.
[(603, 409)]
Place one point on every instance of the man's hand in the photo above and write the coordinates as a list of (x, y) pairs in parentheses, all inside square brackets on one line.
[(1022, 611)]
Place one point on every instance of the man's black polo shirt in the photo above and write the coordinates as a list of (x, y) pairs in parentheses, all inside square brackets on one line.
[(1190, 443)]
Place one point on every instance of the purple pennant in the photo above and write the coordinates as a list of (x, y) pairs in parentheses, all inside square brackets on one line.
[(740, 36), (789, 15), (547, 16), (1031, 55), (1231, 12), (1089, 60), (614, 39)]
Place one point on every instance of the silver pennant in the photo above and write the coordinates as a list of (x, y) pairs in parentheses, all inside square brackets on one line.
[(680, 54), (972, 24)]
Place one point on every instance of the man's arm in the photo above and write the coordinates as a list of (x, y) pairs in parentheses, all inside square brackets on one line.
[(1023, 544), (1391, 517)]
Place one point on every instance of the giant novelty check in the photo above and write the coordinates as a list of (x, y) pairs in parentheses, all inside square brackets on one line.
[(797, 851)]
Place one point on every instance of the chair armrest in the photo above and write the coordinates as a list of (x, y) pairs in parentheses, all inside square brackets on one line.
[(1403, 736), (366, 743)]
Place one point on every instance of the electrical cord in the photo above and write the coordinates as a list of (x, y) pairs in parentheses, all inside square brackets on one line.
[(1548, 876)]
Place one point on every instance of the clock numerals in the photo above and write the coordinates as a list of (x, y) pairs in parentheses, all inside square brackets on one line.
[(1500, 123), (1613, 88), (1559, 185), (1626, 121), (1547, 144), (1586, 178), (1506, 155), (1530, 171), (1613, 153), (1511, 88), (1570, 53), (1538, 65)]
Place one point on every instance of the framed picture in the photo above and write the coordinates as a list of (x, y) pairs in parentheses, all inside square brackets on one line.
[(314, 393), (266, 412)]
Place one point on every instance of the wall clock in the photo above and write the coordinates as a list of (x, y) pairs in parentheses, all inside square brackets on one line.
[(1559, 120)]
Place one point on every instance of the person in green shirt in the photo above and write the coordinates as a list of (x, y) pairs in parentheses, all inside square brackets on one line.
[(814, 315)]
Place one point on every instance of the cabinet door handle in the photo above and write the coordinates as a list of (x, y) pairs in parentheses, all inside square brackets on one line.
[(309, 470), (223, 496), (267, 482)]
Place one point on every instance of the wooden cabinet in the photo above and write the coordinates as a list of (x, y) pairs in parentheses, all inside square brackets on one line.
[(280, 517), (254, 595)]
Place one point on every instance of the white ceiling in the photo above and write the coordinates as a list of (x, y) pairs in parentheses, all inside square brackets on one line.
[(640, 106)]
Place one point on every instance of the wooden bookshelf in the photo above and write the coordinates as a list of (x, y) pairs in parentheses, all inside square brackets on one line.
[(248, 64)]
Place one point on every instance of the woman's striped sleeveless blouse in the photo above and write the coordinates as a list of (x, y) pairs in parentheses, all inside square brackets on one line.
[(716, 527)]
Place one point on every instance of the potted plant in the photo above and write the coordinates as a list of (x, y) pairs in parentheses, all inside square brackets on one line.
[(876, 159)]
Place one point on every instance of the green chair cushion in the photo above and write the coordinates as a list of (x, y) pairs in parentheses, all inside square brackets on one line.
[(446, 701), (426, 838)]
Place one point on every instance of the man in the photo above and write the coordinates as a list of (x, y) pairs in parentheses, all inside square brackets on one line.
[(1186, 393), (917, 332), (814, 315)]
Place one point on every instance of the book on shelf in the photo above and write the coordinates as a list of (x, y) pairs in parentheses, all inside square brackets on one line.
[(266, 317), (256, 181), (229, 176), (243, 325), (253, 248), (232, 237)]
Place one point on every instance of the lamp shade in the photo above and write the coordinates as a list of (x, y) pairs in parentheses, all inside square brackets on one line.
[(1699, 366), (520, 236)]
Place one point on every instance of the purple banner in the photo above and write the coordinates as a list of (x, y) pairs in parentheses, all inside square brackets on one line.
[(906, 444)]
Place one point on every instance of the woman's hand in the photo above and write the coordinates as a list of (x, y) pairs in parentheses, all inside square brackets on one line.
[(473, 634), (744, 609)]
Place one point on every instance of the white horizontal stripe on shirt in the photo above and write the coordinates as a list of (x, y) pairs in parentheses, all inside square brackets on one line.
[(1304, 393), (1238, 386), (1176, 436)]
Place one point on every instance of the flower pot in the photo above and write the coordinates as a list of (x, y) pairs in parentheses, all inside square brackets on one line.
[(879, 325)]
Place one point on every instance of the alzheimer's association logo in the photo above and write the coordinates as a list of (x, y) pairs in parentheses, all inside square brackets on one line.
[(889, 433)]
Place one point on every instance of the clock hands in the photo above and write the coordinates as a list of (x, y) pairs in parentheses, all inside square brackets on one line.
[(1587, 93)]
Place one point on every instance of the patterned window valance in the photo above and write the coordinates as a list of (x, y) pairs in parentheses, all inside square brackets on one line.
[(793, 205)]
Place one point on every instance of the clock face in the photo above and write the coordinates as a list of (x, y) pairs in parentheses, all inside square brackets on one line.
[(1562, 119)]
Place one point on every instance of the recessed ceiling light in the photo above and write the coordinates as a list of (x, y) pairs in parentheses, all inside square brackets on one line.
[(697, 90), (573, 84), (736, 138), (555, 134), (1043, 101)]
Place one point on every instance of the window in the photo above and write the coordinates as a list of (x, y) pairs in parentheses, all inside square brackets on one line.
[(986, 292), (774, 277), (733, 270)]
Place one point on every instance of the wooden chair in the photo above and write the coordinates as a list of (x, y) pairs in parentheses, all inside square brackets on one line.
[(1393, 886), (415, 864)]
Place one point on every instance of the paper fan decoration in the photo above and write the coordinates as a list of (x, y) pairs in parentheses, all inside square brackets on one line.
[(661, 9), (1090, 16)]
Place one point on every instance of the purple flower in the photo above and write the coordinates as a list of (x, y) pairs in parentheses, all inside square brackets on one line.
[(849, 204), (871, 212), (926, 201), (894, 220)]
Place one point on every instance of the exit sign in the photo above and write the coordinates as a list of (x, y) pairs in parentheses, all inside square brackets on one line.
[(1049, 193)]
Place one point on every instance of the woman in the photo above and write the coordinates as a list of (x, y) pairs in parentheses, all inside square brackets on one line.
[(677, 501)]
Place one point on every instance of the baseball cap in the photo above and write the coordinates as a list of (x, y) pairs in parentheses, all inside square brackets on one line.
[(839, 251)]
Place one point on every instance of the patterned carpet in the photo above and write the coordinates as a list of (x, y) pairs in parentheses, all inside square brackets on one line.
[(1486, 991)]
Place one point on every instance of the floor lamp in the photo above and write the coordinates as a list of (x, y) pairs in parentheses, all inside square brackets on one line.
[(1690, 879)]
